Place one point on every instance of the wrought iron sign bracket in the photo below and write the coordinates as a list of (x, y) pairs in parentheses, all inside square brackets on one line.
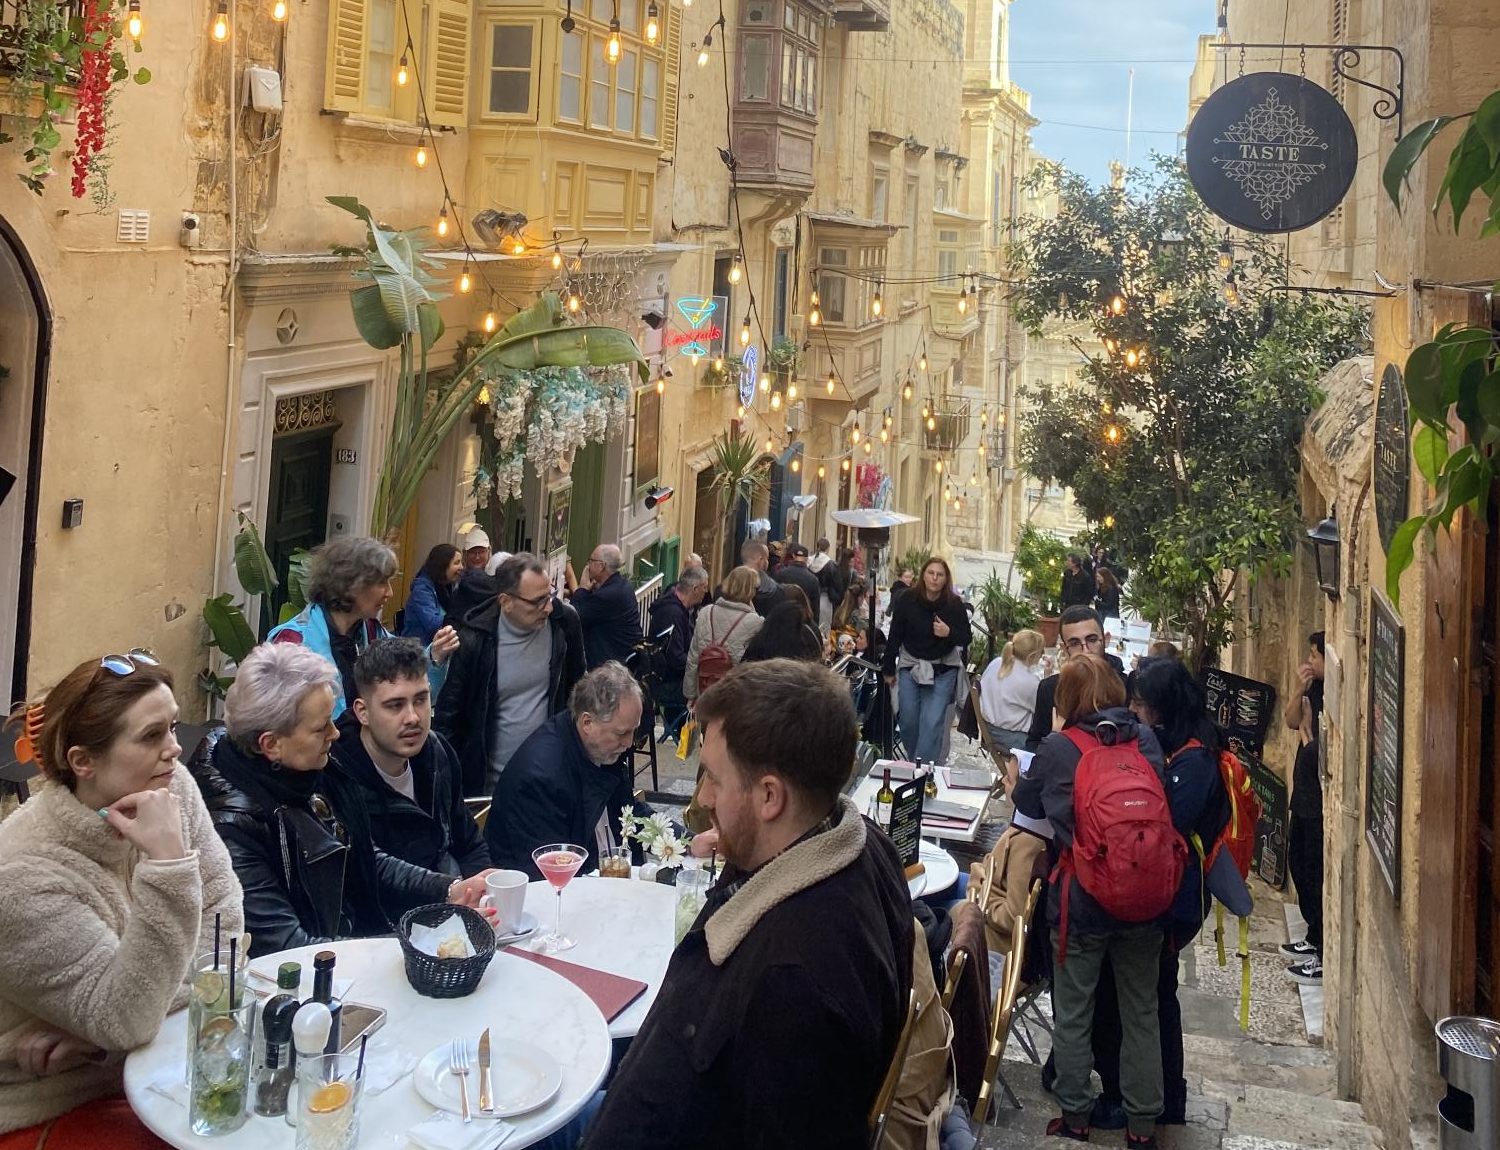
[(1391, 103)]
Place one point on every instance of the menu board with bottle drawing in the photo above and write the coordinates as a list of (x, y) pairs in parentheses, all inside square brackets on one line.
[(1243, 707), (1383, 750), (906, 821)]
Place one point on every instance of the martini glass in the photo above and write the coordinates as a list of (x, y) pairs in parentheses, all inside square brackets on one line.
[(558, 862)]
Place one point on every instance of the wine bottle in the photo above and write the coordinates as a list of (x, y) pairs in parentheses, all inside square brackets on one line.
[(323, 963), (885, 798), (929, 788)]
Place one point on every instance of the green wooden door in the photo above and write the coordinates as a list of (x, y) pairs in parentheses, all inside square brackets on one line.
[(586, 513)]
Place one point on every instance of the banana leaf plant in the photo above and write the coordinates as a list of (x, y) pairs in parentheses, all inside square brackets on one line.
[(397, 307), (739, 476)]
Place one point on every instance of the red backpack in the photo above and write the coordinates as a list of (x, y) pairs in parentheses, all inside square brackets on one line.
[(715, 660), (1238, 835), (1126, 853)]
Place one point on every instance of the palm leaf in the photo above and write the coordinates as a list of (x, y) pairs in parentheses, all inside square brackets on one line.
[(227, 624), (251, 563), (370, 318)]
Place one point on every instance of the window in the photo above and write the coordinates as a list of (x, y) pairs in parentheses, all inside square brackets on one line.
[(600, 82), (911, 204), (510, 68), (947, 255), (783, 291), (570, 82), (651, 98), (368, 38), (625, 91), (879, 193), (799, 58), (755, 69), (942, 196), (832, 283), (381, 56)]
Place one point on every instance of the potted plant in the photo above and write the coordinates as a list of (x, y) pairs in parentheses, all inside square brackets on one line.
[(723, 372), (1003, 611), (1041, 558), (785, 357)]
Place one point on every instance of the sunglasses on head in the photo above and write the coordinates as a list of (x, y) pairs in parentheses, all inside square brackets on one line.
[(127, 663)]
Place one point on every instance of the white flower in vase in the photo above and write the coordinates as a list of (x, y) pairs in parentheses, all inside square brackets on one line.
[(670, 851)]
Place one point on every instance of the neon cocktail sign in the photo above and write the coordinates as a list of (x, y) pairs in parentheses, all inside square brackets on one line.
[(702, 332)]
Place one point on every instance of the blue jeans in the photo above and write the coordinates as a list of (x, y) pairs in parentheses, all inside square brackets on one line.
[(923, 710)]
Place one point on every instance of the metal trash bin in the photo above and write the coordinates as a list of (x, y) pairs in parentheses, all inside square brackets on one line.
[(1469, 1061)]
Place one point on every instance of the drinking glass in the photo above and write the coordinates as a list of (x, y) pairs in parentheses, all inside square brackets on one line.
[(558, 862), (692, 893), (615, 863), (210, 993), (222, 1039), (329, 1093)]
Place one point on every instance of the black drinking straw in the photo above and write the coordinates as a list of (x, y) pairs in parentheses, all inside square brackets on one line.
[(217, 918), (713, 863), (359, 1071), (233, 945)]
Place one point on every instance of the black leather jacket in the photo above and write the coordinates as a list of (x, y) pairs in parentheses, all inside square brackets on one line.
[(303, 853)]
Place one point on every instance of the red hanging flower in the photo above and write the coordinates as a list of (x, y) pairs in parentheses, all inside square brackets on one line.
[(94, 79)]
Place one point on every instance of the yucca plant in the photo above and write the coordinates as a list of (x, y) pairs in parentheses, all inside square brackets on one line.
[(397, 307), (739, 476)]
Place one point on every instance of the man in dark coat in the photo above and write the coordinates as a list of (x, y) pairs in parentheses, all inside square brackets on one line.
[(757, 556), (781, 1008), (674, 611), (490, 704), (1077, 584), (570, 781), (407, 774), (796, 572), (607, 610), (1079, 633)]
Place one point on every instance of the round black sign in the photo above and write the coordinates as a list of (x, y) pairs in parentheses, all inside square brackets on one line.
[(1271, 152), (1392, 455)]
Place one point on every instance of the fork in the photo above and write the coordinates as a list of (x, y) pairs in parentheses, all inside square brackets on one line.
[(458, 1065)]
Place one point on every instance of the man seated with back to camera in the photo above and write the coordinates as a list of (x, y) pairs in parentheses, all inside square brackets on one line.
[(781, 1008), (404, 771)]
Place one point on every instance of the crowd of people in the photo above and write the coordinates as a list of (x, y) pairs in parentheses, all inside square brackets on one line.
[(332, 801)]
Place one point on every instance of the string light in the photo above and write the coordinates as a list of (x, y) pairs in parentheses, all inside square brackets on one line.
[(765, 384), (661, 386), (1117, 305), (769, 445), (981, 447), (612, 45), (791, 392), (489, 322), (1109, 521), (832, 383), (931, 423), (442, 223), (888, 417), (708, 42), (922, 362), (519, 249), (938, 466), (1112, 433), (557, 259), (963, 302), (745, 333), (776, 401), (574, 303), (885, 436), (133, 24), (421, 155), (1231, 294), (221, 21), (869, 447), (876, 307), (653, 23), (906, 390), (465, 281), (737, 269), (278, 11), (742, 411), (815, 313), (854, 434), (845, 463), (958, 503), (796, 465), (1134, 358), (822, 471), (1226, 254), (401, 73)]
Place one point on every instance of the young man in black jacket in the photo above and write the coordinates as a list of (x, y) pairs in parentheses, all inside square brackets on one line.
[(1079, 633), (405, 772)]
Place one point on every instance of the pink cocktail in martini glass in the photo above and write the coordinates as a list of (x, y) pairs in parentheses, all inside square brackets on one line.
[(558, 862)]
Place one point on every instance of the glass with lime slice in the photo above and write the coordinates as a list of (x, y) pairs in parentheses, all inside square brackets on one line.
[(222, 1039)]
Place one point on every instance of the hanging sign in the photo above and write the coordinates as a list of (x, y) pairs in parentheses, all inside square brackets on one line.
[(1392, 455), (704, 335), (1271, 152), (749, 373), (1242, 707)]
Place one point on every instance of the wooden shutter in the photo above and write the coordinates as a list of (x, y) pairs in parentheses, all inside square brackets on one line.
[(671, 73), (448, 60), (344, 79)]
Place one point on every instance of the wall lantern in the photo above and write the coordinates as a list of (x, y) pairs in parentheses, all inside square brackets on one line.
[(1324, 539)]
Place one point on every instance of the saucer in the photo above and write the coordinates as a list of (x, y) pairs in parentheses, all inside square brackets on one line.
[(524, 929)]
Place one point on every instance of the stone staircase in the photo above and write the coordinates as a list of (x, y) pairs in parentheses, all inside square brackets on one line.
[(1270, 1089)]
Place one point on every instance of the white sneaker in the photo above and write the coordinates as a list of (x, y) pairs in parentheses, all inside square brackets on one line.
[(1309, 973)]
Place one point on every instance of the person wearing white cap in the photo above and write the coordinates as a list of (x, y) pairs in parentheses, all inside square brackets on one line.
[(476, 548)]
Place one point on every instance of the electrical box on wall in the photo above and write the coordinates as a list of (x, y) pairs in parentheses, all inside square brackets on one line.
[(263, 90)]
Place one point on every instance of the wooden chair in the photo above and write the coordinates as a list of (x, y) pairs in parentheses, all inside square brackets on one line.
[(480, 809), (984, 731), (880, 1111), (1004, 1012), (957, 960)]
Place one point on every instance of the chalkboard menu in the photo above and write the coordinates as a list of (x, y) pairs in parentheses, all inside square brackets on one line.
[(1243, 707), (1271, 834), (1392, 455), (1383, 753), (906, 821)]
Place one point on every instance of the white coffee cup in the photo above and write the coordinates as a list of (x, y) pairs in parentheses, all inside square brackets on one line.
[(507, 894)]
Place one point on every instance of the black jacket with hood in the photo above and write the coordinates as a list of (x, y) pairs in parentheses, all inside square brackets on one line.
[(436, 831), (1046, 792), (465, 711)]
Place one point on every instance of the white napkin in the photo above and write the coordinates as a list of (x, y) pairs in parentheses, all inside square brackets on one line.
[(385, 1065), (169, 1084), (444, 1131), (427, 939)]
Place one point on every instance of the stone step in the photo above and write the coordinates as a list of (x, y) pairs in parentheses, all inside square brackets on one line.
[(1311, 1132), (1288, 1104)]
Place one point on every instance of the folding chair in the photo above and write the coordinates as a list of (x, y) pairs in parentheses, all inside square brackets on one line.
[(957, 960), (880, 1111), (984, 731), (1004, 1013)]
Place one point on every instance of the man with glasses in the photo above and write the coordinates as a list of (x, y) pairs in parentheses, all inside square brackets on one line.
[(526, 653), (607, 610), (1079, 633)]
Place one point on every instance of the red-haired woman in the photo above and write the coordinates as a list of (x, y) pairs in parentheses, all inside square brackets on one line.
[(112, 876)]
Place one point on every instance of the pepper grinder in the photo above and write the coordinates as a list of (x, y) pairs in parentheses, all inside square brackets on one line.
[(277, 1071)]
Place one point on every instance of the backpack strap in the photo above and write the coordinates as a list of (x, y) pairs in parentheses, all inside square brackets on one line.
[(1081, 739), (1063, 872), (1191, 744), (732, 626)]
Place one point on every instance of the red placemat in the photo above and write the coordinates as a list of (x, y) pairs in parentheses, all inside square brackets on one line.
[(611, 993)]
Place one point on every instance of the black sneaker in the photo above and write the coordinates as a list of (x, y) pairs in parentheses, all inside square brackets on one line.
[(1059, 1128), (1309, 973), (1299, 949)]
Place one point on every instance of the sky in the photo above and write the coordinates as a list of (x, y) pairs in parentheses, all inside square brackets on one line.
[(1075, 56)]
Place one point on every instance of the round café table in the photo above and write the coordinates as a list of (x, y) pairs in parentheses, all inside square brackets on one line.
[(516, 999), (622, 926)]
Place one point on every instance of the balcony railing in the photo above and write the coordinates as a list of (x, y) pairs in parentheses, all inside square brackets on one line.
[(15, 23), (948, 428)]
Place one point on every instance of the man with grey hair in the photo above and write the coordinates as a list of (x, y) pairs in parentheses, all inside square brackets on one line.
[(570, 782), (673, 614), (607, 610), (520, 653)]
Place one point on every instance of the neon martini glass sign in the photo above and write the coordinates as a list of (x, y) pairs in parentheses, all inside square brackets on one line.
[(699, 311)]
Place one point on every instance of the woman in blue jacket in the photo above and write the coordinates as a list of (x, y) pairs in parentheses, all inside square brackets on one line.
[(432, 593)]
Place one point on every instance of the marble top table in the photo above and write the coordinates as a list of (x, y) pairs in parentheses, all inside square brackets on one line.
[(864, 792), (517, 999), (622, 926)]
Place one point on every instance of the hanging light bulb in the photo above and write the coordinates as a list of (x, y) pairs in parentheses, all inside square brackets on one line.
[(958, 503), (791, 392), (931, 423), (832, 383), (981, 447), (742, 411), (708, 42), (814, 313), (1226, 254), (845, 464), (221, 21), (557, 260), (885, 436), (483, 398), (765, 384), (612, 45), (984, 417), (745, 333), (133, 24), (776, 401), (770, 446), (922, 362), (693, 356), (887, 417), (421, 155), (442, 223), (1112, 433), (869, 447), (278, 11), (1117, 305), (963, 302), (796, 465), (489, 322), (854, 434), (574, 303), (465, 281), (653, 23), (926, 411), (822, 471), (1110, 346), (737, 269), (906, 390), (947, 495), (938, 466), (661, 387), (519, 247), (718, 363), (401, 72), (876, 307), (1231, 294)]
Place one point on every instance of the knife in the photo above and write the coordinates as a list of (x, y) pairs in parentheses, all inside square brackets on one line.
[(486, 1091)]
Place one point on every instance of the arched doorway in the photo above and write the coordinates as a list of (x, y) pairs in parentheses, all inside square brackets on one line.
[(25, 341)]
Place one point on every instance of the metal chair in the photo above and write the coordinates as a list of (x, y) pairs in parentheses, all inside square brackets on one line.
[(880, 1111), (642, 665), (480, 809), (1000, 1025)]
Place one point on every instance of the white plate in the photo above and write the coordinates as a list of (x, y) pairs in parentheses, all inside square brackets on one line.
[(524, 1076), (527, 926)]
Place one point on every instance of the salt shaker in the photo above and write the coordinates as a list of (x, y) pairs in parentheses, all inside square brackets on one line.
[(310, 1029)]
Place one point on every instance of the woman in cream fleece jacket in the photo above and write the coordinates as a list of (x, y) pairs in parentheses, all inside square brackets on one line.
[(112, 875)]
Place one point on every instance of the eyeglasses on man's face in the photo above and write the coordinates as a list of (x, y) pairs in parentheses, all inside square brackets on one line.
[(1092, 642)]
